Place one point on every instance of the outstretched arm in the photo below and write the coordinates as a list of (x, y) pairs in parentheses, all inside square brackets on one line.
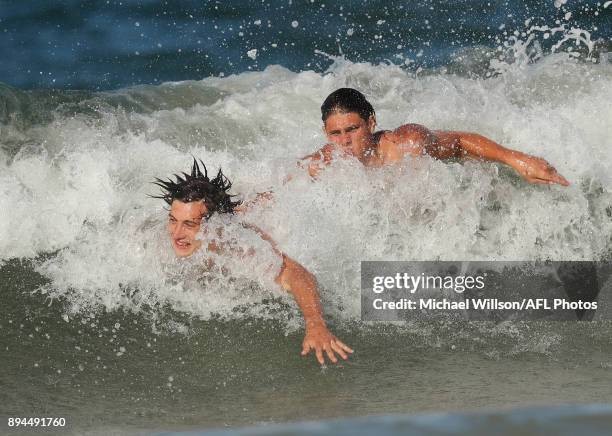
[(260, 199), (296, 279), (313, 163), (416, 139), (533, 169)]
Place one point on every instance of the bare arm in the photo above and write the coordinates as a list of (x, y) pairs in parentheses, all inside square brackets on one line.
[(260, 199), (313, 163), (416, 139), (316, 161), (296, 279), (473, 145)]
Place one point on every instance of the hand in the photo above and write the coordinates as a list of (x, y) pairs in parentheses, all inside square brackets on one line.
[(320, 339), (537, 170)]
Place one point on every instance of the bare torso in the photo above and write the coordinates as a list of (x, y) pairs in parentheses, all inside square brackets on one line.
[(388, 147)]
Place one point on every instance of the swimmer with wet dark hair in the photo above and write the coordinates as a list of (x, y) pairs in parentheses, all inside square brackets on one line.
[(193, 198), (349, 123)]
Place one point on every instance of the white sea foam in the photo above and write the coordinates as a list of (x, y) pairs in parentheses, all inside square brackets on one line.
[(80, 189)]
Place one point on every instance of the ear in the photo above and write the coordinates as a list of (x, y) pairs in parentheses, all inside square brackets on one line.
[(372, 123)]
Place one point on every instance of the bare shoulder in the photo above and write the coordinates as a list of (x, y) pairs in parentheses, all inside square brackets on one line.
[(412, 139), (412, 133)]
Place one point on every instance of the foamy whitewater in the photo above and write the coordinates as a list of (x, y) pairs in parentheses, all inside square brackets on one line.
[(96, 302), (78, 186)]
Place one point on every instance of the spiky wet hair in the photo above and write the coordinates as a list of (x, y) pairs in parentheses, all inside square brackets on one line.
[(198, 187)]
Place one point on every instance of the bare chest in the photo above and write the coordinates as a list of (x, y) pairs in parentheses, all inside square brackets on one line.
[(386, 152)]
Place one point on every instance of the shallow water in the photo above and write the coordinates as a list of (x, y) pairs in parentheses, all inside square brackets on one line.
[(560, 420), (166, 370)]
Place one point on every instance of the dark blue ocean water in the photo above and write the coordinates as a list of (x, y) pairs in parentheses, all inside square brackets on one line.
[(111, 44)]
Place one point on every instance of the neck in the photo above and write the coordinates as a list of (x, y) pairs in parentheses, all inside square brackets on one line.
[(368, 150)]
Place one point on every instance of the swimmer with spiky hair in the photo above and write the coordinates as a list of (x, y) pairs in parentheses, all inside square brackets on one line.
[(193, 198), (349, 123)]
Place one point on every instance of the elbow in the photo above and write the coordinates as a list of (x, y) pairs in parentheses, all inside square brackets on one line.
[(290, 273), (294, 276)]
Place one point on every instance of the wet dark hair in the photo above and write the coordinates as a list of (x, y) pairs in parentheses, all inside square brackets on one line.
[(198, 187), (346, 100)]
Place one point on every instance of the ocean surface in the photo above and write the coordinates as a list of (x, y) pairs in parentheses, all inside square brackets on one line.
[(100, 324)]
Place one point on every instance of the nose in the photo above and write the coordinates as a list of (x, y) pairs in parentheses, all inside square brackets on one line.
[(177, 231), (345, 139)]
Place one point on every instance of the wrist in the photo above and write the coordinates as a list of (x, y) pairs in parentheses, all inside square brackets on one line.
[(315, 323)]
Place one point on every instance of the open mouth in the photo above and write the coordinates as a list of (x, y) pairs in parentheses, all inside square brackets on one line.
[(181, 244)]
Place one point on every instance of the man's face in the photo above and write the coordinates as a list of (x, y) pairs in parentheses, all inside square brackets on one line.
[(349, 131), (184, 224)]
